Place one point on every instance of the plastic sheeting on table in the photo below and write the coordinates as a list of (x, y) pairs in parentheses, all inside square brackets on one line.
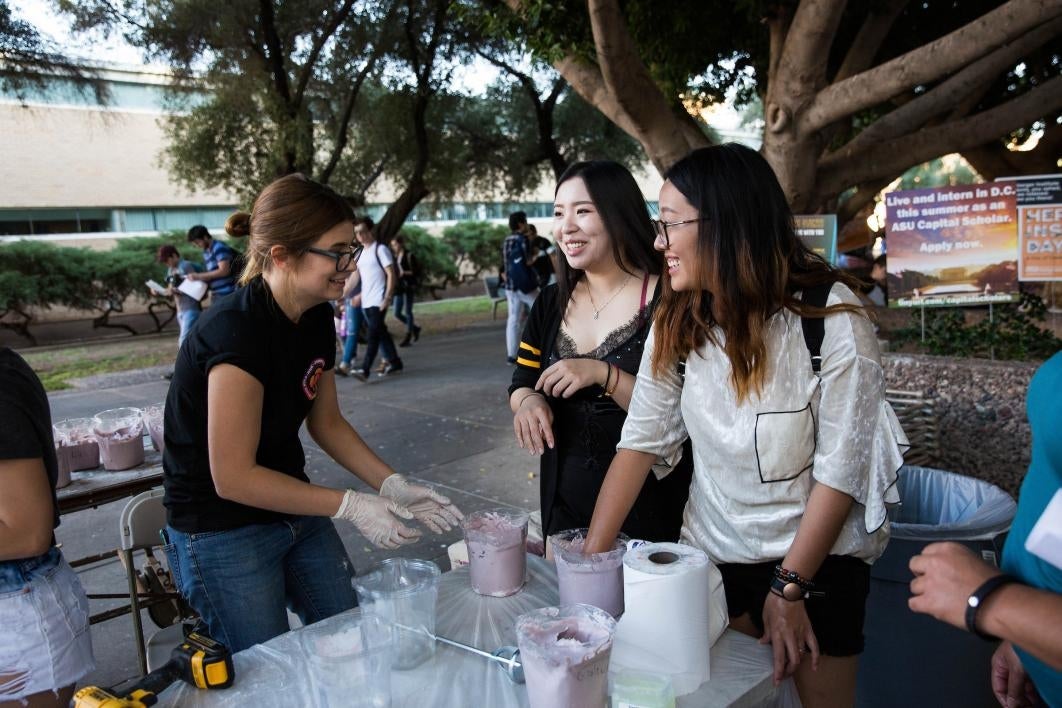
[(277, 673), (945, 506)]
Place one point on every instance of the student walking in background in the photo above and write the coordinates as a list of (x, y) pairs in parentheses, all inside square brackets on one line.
[(521, 281), (218, 260), (376, 268), (409, 269), (177, 269)]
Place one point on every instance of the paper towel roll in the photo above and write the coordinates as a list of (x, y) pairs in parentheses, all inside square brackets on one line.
[(675, 611)]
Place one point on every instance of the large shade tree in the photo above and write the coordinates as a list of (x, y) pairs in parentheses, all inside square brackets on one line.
[(854, 94)]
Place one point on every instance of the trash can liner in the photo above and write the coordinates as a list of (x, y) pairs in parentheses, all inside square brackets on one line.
[(945, 506)]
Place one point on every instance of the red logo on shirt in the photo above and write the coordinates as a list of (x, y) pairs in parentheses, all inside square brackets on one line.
[(312, 377)]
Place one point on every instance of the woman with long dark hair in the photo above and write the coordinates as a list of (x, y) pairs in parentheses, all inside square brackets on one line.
[(580, 351), (795, 449)]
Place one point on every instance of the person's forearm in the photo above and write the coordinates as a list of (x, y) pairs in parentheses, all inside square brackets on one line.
[(343, 444), (389, 292), (519, 396), (1027, 617), (624, 388), (819, 528), (265, 488), (623, 482)]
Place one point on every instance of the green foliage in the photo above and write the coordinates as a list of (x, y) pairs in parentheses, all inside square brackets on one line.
[(1011, 333), (476, 246)]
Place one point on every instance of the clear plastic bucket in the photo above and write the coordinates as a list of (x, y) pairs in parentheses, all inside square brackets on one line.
[(120, 434), (75, 447), (497, 550), (402, 592), (595, 579), (153, 416), (351, 661), (565, 654)]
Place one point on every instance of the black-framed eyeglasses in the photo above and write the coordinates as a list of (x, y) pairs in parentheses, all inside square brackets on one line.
[(660, 227), (343, 259)]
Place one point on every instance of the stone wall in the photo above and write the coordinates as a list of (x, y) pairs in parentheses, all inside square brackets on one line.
[(981, 408)]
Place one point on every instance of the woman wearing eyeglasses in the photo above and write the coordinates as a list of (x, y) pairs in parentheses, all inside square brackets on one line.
[(249, 535), (580, 351), (793, 464)]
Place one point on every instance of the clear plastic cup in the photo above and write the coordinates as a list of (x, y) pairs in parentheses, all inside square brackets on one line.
[(595, 579), (351, 660), (402, 592), (565, 653), (120, 434), (497, 550), (75, 447), (153, 416)]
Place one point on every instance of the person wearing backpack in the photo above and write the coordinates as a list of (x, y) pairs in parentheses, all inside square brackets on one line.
[(376, 269), (218, 261), (409, 275), (521, 281), (795, 449)]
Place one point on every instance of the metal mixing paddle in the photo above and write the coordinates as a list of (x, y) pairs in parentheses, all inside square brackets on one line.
[(508, 656)]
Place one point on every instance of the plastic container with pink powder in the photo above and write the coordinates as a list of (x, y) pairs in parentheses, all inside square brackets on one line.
[(595, 579), (75, 447), (565, 654), (497, 554), (120, 434), (153, 416)]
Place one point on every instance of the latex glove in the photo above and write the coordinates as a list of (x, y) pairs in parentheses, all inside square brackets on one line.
[(377, 519), (428, 506)]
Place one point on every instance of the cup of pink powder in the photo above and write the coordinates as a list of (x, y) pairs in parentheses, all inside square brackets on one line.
[(153, 416), (592, 579), (565, 653), (75, 447), (120, 434), (497, 556)]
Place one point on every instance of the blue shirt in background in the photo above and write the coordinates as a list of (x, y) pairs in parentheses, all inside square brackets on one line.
[(213, 255)]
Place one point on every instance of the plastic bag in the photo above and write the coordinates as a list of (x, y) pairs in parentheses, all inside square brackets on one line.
[(944, 506)]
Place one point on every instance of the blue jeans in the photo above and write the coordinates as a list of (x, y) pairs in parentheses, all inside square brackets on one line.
[(15, 575), (379, 338), (404, 310), (350, 345), (241, 581), (186, 319)]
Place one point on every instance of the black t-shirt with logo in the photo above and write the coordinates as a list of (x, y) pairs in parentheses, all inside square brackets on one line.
[(25, 419), (248, 330)]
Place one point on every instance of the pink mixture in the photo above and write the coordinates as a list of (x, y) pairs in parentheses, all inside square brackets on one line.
[(84, 455), (595, 580), (123, 448), (566, 662), (496, 552)]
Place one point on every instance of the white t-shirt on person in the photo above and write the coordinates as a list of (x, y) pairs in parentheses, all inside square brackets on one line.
[(373, 276)]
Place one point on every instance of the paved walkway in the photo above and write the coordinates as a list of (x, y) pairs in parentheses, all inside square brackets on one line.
[(444, 419)]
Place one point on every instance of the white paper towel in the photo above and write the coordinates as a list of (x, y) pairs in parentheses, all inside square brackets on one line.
[(675, 611)]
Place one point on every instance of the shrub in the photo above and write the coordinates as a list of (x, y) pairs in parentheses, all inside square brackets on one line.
[(476, 246), (436, 259)]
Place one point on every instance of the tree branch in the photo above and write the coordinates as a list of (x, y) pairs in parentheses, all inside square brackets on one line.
[(318, 45), (342, 129), (807, 43), (928, 62), (869, 38), (895, 156), (274, 55), (588, 83), (973, 79)]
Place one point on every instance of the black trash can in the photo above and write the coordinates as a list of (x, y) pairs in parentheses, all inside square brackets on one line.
[(912, 659)]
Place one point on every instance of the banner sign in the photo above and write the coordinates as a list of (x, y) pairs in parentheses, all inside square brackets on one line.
[(819, 233), (952, 245), (1039, 227)]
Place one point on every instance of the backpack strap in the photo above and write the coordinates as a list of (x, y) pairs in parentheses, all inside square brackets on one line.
[(814, 328)]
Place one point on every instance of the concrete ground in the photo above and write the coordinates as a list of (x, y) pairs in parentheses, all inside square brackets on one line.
[(444, 420)]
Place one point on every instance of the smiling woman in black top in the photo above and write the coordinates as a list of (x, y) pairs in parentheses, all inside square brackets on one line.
[(249, 534)]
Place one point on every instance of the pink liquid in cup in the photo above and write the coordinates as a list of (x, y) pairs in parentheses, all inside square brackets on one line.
[(565, 653), (497, 557), (596, 579), (153, 416), (120, 434), (75, 447)]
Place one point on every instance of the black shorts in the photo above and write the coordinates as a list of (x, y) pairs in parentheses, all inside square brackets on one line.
[(836, 618)]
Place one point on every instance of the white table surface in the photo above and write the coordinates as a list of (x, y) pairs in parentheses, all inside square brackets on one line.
[(277, 673)]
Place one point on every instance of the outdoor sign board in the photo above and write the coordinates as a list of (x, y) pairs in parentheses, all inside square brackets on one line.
[(819, 233), (952, 245), (1039, 201)]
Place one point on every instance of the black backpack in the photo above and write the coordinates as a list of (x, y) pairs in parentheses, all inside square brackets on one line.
[(518, 274)]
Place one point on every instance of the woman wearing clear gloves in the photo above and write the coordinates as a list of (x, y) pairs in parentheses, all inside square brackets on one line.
[(249, 535), (795, 451), (580, 351)]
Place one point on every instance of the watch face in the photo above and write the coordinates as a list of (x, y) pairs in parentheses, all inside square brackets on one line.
[(792, 591)]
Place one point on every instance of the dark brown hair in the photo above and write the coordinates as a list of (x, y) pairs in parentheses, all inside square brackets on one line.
[(748, 249), (292, 212)]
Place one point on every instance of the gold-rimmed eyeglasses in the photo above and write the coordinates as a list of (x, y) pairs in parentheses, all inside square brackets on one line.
[(660, 227)]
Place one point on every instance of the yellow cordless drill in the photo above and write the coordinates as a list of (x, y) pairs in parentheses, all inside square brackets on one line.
[(199, 660)]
